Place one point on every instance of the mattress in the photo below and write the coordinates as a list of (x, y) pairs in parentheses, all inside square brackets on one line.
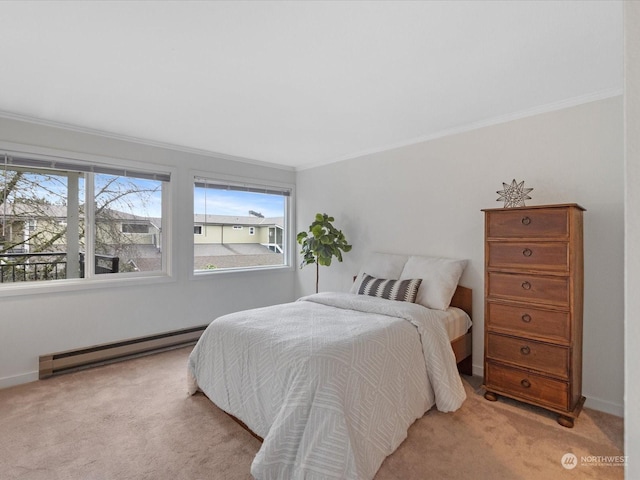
[(456, 323)]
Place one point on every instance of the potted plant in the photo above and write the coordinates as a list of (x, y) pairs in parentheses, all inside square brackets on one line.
[(321, 243)]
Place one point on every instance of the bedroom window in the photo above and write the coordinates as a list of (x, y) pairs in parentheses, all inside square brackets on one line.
[(55, 214), (244, 226)]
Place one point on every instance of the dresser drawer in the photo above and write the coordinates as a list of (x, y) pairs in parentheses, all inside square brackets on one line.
[(535, 223), (551, 359), (550, 256), (529, 322), (526, 385), (529, 288)]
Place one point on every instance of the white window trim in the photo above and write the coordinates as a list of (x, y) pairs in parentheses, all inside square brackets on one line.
[(92, 281), (289, 225)]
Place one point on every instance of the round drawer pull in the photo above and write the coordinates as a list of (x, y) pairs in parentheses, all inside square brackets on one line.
[(527, 252), (525, 383), (525, 350), (526, 318), (526, 285), (526, 220)]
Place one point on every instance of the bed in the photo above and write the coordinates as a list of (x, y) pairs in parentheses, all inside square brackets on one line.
[(332, 382)]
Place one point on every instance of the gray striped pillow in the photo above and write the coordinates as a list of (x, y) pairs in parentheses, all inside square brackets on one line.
[(400, 290)]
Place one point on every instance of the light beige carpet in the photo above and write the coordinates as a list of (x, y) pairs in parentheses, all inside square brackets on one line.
[(133, 420)]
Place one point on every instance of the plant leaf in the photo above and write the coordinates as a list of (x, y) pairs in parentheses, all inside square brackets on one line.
[(322, 242)]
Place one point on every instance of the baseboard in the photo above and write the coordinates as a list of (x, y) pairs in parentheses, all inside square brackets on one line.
[(78, 359), (604, 406), (14, 380)]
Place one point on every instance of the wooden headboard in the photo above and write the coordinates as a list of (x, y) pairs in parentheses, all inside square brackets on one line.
[(462, 298)]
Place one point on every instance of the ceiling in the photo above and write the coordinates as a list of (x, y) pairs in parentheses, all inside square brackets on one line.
[(300, 84)]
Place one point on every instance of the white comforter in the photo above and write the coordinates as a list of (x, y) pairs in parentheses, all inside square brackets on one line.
[(331, 382)]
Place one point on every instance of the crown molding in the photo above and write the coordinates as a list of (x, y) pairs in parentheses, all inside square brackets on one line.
[(140, 141), (550, 107)]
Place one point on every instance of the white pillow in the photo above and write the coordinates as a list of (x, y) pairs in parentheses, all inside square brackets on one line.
[(439, 276), (381, 265)]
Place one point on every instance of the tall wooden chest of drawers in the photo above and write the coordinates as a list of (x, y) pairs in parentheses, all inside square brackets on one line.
[(533, 307)]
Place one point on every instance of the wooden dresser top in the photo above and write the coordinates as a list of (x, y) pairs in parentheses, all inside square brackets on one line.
[(557, 205)]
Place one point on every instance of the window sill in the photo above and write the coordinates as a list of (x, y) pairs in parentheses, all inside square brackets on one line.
[(203, 274), (70, 285)]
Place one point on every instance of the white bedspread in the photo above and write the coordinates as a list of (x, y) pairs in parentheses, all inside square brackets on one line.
[(331, 382)]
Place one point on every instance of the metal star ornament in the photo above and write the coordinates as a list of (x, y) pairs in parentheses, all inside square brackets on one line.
[(514, 195)]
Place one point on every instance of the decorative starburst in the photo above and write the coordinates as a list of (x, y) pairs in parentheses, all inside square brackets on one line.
[(513, 195)]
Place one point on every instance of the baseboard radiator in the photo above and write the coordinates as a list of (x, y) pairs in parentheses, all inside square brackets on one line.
[(72, 360)]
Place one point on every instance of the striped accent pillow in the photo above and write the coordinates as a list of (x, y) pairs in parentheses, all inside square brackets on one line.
[(400, 290)]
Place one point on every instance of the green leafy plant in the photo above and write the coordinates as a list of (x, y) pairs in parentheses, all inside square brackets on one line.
[(321, 243)]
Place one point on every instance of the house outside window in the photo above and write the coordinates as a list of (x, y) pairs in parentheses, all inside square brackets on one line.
[(56, 214), (135, 228), (238, 224)]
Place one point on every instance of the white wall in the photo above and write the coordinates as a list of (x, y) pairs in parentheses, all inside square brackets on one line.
[(426, 199), (33, 325), (632, 237)]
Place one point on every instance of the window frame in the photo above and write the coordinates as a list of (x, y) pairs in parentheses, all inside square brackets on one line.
[(289, 223), (92, 280)]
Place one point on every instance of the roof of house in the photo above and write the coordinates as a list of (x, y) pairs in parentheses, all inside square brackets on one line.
[(217, 249), (39, 210), (32, 209), (237, 220), (234, 255), (230, 255), (60, 211)]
